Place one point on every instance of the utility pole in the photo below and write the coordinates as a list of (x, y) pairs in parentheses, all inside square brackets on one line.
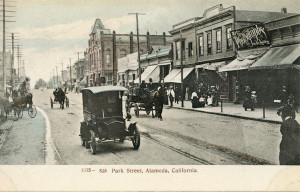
[(181, 69), (23, 69), (12, 63), (138, 41), (56, 77), (3, 56), (18, 55), (62, 71), (53, 78), (70, 75)]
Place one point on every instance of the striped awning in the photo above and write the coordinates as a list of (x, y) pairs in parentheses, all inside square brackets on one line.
[(279, 58)]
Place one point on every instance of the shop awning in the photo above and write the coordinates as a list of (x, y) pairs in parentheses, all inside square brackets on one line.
[(237, 64), (201, 66), (278, 58), (150, 72), (171, 75), (177, 78), (211, 66)]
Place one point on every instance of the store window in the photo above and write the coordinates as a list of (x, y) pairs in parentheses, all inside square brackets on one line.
[(133, 77), (218, 35), (109, 79), (209, 42), (201, 48), (228, 38), (190, 46)]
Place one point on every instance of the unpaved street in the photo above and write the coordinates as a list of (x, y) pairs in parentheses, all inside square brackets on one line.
[(183, 137)]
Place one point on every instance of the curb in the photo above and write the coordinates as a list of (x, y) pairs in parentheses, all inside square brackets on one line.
[(230, 115)]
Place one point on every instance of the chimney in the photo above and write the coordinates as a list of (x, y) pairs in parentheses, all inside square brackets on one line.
[(284, 10)]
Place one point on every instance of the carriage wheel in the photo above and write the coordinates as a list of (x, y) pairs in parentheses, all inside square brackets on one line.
[(136, 140), (51, 103), (14, 114), (32, 111), (93, 142), (3, 114)]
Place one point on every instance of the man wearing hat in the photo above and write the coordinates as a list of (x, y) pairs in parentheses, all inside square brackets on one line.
[(284, 95)]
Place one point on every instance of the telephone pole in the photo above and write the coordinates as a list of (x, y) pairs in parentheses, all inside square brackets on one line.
[(57, 77), (62, 71), (138, 41), (70, 74)]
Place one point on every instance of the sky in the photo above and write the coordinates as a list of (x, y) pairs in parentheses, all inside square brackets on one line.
[(51, 32)]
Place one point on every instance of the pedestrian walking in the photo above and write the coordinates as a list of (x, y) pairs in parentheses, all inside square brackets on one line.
[(160, 101), (187, 90), (171, 95), (195, 100), (290, 144), (248, 103), (283, 95), (176, 95)]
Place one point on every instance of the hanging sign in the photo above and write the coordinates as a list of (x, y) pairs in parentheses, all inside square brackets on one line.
[(251, 37)]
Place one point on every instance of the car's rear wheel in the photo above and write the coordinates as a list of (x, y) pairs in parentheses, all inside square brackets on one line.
[(93, 142)]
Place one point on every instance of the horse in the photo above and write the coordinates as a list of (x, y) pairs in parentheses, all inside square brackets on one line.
[(60, 97), (157, 99), (23, 100)]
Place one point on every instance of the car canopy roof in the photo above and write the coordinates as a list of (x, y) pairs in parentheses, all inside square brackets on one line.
[(101, 89)]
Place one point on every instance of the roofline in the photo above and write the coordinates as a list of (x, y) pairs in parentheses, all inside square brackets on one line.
[(296, 15)]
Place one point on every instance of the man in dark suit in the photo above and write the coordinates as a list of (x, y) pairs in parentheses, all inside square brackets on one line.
[(160, 101)]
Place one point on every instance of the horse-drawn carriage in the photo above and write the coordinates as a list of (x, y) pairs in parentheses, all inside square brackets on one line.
[(104, 117), (16, 108), (59, 98), (141, 100)]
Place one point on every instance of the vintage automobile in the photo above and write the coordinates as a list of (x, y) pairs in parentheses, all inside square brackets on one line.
[(105, 118)]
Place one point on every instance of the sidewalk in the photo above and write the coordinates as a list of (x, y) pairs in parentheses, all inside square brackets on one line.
[(237, 110)]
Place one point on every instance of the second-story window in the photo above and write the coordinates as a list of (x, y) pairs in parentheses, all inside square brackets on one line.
[(228, 38), (122, 53), (218, 43), (183, 49), (190, 49), (177, 46), (107, 56), (209, 42), (201, 48)]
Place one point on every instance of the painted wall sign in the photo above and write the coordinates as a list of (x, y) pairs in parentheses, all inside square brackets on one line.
[(250, 37)]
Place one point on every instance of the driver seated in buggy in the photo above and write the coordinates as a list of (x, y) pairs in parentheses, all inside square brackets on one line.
[(57, 92)]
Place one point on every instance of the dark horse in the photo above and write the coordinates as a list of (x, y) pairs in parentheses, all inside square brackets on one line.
[(60, 97), (157, 100), (23, 100)]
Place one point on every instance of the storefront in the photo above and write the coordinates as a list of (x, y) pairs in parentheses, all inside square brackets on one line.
[(277, 68)]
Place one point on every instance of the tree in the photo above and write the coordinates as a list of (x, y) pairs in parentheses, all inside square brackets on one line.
[(40, 83)]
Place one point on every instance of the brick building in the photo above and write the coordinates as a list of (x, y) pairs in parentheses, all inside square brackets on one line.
[(105, 48), (207, 44)]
